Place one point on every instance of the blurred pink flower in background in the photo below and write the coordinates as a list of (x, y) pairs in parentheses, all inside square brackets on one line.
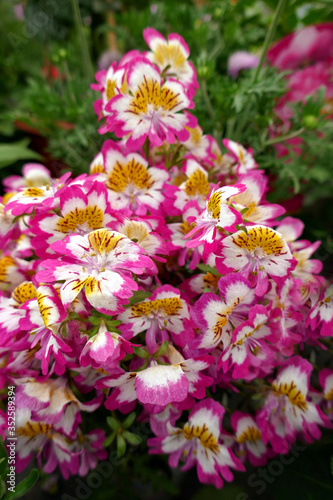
[(309, 45), (309, 53), (241, 60)]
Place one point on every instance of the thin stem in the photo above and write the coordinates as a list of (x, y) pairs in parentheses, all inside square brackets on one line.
[(286, 137), (269, 37), (84, 45), (207, 99)]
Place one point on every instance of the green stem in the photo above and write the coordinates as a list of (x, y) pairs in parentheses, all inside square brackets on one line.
[(207, 99), (286, 137), (203, 85), (269, 37), (84, 45)]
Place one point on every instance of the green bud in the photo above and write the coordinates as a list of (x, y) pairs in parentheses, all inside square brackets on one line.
[(203, 71), (62, 53), (310, 122), (218, 12)]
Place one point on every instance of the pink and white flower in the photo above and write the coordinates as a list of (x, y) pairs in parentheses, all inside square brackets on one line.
[(171, 57), (105, 349), (321, 314), (256, 254), (243, 158), (33, 175), (287, 410), (133, 186), (80, 213), (257, 212), (159, 384), (249, 348), (216, 316), (36, 198), (164, 313), (199, 443), (248, 441), (151, 110), (101, 262), (218, 214)]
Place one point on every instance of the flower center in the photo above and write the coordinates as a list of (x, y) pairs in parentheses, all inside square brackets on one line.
[(250, 434), (168, 307), (294, 394), (150, 92), (207, 438), (132, 174), (260, 241)]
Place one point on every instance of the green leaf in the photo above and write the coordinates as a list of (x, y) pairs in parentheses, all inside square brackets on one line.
[(121, 445), (332, 465), (142, 353), (10, 153), (23, 486), (132, 438), (139, 296), (208, 269), (162, 349), (113, 423), (129, 420), (2, 488), (109, 440), (95, 321), (110, 323), (3, 453), (3, 465)]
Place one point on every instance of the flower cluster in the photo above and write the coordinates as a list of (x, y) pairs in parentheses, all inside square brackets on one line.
[(162, 281)]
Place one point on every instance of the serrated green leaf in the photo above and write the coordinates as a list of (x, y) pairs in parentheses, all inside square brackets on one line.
[(132, 438), (25, 485)]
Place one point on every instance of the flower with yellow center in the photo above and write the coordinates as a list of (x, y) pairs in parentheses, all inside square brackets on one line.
[(99, 263), (199, 442), (150, 109), (171, 57), (133, 186), (258, 253)]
